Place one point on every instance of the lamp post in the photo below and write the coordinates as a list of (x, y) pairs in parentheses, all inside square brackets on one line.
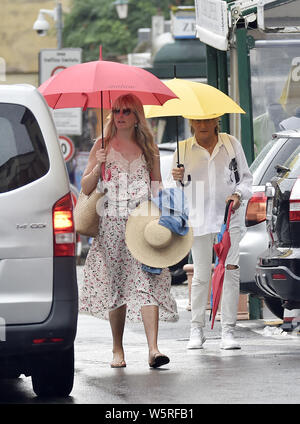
[(122, 8), (59, 25), (41, 25)]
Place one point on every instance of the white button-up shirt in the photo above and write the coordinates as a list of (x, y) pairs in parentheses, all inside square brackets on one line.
[(212, 182)]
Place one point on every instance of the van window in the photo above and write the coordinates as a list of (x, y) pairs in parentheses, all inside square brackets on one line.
[(23, 153)]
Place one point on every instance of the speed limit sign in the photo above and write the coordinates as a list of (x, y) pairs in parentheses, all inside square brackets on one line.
[(67, 147)]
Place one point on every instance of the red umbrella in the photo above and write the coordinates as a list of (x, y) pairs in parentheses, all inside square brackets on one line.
[(221, 248), (97, 84)]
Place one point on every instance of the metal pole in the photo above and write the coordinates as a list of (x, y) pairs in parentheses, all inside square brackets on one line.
[(235, 127), (223, 85), (59, 25), (211, 66), (244, 79)]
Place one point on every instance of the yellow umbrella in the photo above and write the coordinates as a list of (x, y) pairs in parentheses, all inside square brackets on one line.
[(195, 101)]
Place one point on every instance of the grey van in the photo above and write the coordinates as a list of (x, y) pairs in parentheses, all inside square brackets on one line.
[(38, 285)]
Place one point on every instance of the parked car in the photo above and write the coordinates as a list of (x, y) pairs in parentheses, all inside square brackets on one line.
[(255, 238), (166, 151), (166, 158), (38, 285), (278, 267)]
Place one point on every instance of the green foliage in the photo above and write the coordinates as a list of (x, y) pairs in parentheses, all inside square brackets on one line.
[(92, 23)]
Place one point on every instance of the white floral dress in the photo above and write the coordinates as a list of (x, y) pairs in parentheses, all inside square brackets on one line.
[(112, 277)]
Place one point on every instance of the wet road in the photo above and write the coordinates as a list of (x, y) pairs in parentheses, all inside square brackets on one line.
[(266, 369)]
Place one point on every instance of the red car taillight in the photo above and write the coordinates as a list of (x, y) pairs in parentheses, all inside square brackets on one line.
[(63, 227), (256, 209), (278, 276), (295, 201)]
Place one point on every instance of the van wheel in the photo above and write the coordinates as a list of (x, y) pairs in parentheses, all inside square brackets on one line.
[(53, 375)]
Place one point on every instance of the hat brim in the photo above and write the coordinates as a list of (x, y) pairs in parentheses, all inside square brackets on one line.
[(163, 257), (203, 117)]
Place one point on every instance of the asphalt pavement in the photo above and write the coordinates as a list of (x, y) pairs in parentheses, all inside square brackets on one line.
[(264, 371)]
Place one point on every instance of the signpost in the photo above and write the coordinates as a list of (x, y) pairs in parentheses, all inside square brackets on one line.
[(52, 61)]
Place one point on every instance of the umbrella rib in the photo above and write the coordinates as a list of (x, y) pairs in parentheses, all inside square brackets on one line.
[(155, 95), (60, 94), (110, 99)]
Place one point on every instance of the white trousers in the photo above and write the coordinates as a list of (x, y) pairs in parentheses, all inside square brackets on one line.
[(202, 258)]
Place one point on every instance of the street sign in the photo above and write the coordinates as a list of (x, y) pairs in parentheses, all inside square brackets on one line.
[(68, 121), (183, 22), (67, 147), (52, 61), (212, 23)]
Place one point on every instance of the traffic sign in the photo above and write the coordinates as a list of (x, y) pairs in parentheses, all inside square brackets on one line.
[(67, 147), (51, 61)]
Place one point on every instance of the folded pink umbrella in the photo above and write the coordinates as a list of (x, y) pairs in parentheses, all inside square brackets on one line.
[(221, 248)]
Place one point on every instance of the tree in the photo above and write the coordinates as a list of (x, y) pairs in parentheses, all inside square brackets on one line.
[(92, 23)]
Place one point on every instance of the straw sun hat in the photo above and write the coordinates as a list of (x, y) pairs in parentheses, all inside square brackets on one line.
[(151, 243)]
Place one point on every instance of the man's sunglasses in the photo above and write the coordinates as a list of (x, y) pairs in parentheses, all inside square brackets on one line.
[(125, 112)]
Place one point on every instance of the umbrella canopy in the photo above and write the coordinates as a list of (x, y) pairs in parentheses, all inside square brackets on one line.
[(97, 84), (195, 101), (221, 248)]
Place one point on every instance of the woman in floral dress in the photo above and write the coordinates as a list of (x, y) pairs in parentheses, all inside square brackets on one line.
[(115, 285)]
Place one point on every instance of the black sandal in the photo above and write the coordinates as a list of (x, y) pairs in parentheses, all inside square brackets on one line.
[(159, 360)]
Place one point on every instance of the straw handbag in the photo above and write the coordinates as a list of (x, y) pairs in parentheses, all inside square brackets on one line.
[(85, 214)]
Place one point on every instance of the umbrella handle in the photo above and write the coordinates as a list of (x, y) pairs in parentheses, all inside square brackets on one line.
[(228, 211), (189, 178), (106, 175)]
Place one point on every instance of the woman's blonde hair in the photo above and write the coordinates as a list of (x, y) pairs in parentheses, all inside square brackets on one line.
[(142, 134)]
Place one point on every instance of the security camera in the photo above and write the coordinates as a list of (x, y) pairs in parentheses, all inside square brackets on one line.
[(41, 26)]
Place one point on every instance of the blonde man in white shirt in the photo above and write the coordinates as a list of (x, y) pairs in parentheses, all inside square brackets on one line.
[(213, 183)]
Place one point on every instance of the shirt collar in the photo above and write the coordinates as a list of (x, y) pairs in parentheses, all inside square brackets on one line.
[(218, 145), (194, 142)]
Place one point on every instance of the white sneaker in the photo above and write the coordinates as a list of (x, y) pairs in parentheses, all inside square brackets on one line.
[(228, 341), (196, 338)]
